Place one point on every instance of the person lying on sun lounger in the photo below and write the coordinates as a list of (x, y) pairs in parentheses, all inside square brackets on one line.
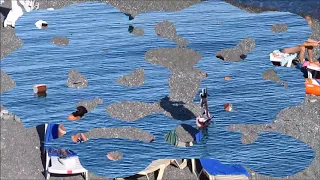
[(306, 46)]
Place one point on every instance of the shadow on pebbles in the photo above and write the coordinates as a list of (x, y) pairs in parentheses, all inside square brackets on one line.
[(237, 53), (133, 79)]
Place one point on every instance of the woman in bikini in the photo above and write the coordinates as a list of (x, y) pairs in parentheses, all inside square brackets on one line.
[(306, 46)]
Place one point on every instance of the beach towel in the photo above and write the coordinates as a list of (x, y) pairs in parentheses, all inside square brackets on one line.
[(171, 137), (51, 134)]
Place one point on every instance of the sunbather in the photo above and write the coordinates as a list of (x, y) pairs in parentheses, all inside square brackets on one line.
[(306, 46)]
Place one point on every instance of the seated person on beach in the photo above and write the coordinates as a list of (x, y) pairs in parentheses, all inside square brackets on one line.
[(77, 138), (306, 46)]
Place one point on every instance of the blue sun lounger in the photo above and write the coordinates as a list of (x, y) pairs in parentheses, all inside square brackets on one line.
[(52, 156), (215, 170)]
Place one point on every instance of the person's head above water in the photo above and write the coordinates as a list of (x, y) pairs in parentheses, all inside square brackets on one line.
[(81, 111)]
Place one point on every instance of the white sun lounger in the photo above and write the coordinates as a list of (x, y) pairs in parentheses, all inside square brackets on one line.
[(19, 7), (284, 60), (159, 164), (56, 167)]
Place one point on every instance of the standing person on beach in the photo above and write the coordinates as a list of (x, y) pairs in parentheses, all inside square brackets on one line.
[(306, 46)]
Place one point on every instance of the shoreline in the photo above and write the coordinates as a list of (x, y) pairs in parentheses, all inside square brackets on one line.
[(12, 146)]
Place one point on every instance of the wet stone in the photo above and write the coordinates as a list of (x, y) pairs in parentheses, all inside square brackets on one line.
[(90, 105), (6, 82), (133, 79), (76, 79), (279, 28), (60, 41)]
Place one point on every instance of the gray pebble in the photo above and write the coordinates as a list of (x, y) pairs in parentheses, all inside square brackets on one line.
[(133, 79), (60, 41), (76, 79), (6, 82), (279, 28)]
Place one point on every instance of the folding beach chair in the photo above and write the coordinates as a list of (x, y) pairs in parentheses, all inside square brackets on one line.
[(51, 132), (159, 164)]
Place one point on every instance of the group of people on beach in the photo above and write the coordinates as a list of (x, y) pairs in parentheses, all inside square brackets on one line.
[(307, 46)]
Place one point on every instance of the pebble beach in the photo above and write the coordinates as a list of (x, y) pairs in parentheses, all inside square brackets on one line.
[(21, 147)]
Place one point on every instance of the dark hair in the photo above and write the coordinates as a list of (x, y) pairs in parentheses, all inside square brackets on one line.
[(81, 111)]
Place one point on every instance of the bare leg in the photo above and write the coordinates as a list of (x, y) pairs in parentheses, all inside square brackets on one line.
[(296, 49), (292, 50), (302, 54), (310, 53)]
